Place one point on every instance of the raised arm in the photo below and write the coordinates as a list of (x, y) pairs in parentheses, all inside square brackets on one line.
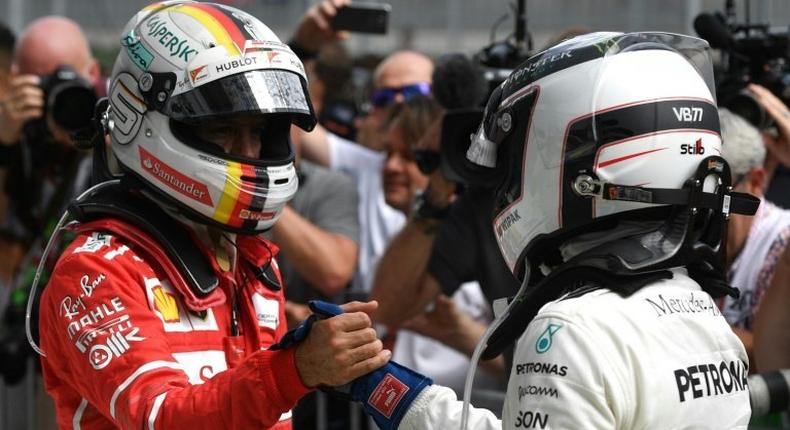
[(402, 287), (324, 258)]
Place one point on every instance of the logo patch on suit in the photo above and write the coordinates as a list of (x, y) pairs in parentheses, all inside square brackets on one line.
[(167, 305), (267, 311), (544, 341), (94, 243)]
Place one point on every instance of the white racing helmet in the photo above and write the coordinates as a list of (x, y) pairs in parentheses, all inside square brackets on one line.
[(613, 134), (184, 62), (589, 129)]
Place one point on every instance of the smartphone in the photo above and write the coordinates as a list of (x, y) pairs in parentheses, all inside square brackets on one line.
[(362, 18)]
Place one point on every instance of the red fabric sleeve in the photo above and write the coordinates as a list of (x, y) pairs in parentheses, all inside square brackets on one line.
[(103, 341)]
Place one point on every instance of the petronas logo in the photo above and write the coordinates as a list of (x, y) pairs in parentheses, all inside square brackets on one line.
[(544, 341)]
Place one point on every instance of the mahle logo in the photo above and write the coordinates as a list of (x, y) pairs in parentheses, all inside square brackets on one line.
[(544, 341)]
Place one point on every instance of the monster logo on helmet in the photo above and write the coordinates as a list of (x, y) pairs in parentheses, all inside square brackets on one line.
[(186, 62)]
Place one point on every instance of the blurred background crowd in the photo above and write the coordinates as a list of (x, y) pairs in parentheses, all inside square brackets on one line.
[(386, 208)]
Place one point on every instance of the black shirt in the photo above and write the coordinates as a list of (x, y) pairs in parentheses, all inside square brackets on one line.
[(466, 250)]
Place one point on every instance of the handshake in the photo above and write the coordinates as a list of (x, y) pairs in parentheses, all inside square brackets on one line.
[(385, 393)]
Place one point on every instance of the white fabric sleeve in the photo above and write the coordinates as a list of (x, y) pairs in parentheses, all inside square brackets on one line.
[(438, 408), (351, 158), (562, 377)]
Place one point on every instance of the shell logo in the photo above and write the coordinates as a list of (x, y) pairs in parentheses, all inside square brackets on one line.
[(166, 304)]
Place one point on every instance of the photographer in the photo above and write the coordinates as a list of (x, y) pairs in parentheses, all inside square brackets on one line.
[(43, 168)]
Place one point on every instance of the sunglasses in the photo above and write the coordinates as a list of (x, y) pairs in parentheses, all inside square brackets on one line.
[(427, 160), (386, 96)]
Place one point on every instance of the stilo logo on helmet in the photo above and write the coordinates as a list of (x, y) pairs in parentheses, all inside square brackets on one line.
[(694, 149), (206, 62)]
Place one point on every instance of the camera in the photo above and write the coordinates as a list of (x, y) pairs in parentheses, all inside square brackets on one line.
[(69, 99), (751, 53), (462, 86)]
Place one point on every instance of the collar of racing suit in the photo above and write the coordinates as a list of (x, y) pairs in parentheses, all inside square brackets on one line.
[(185, 251)]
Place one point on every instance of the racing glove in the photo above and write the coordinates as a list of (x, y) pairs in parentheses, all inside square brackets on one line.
[(321, 310), (385, 394)]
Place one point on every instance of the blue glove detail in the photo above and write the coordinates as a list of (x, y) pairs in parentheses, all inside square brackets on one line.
[(387, 393), (321, 310), (324, 310)]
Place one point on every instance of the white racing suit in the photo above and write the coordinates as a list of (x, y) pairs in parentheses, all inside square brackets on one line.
[(663, 358)]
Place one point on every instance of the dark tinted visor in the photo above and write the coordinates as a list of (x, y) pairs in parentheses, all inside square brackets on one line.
[(252, 92)]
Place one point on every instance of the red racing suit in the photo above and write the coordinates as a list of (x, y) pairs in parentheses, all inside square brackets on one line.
[(128, 346)]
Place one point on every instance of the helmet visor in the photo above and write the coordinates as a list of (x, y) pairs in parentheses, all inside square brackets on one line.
[(251, 92)]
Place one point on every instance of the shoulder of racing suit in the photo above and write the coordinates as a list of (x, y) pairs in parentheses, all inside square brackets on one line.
[(169, 244)]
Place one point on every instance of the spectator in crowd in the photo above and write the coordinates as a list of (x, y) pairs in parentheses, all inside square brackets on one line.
[(455, 322), (399, 77), (167, 308), (402, 71), (756, 246), (329, 73), (432, 257), (43, 169), (771, 276), (777, 164)]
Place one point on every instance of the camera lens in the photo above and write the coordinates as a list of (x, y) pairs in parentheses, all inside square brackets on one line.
[(72, 105), (744, 104)]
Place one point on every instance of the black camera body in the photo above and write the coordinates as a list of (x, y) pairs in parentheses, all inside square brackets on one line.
[(69, 98), (751, 53), (462, 86), (70, 101)]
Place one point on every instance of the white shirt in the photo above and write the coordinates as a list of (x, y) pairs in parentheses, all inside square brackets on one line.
[(378, 222), (753, 270), (663, 358)]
